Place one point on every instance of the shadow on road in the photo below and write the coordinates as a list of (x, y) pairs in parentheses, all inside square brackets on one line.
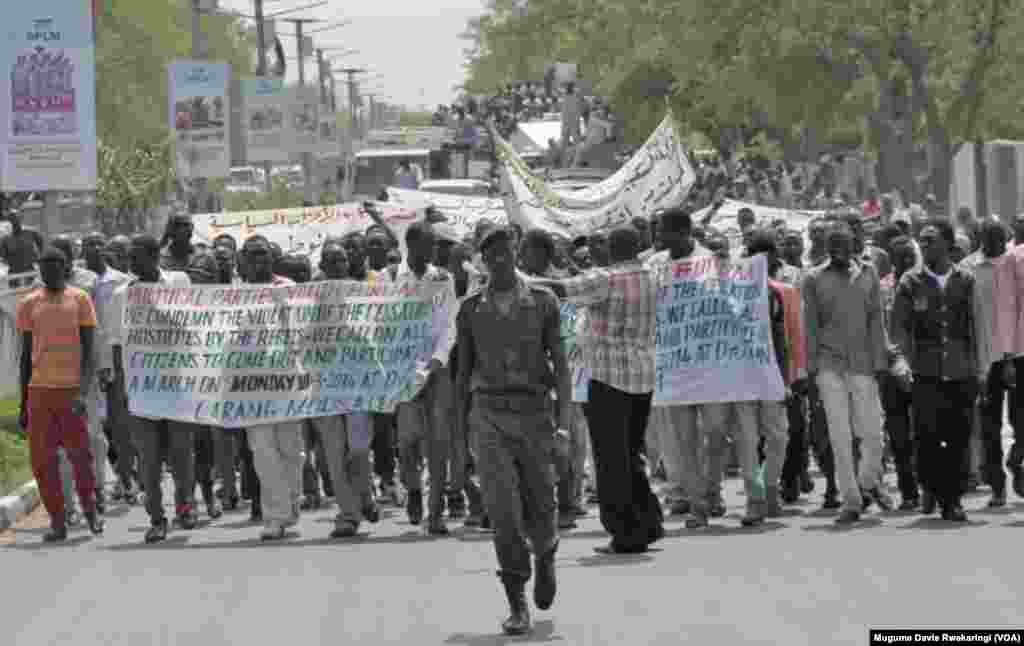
[(543, 633), (937, 524), (832, 528), (73, 541), (180, 541)]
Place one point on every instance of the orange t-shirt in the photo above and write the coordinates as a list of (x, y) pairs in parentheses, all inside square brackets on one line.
[(55, 322)]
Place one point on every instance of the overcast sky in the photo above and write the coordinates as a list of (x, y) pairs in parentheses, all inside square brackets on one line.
[(410, 47)]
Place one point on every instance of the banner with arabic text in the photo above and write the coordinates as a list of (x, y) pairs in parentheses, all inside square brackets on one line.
[(658, 176), (463, 213)]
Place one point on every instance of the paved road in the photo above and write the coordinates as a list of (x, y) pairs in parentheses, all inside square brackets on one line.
[(796, 581)]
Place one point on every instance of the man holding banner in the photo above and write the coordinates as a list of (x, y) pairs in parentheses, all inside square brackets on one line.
[(618, 349), (152, 435), (277, 449)]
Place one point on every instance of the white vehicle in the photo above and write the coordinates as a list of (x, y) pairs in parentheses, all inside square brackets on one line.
[(460, 187), (245, 179)]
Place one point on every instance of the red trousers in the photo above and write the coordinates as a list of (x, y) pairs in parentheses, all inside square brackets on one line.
[(51, 425)]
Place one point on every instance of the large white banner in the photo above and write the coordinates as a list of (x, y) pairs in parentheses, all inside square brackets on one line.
[(241, 356), (265, 127), (463, 213), (199, 113), (304, 229), (48, 96), (658, 176), (724, 219)]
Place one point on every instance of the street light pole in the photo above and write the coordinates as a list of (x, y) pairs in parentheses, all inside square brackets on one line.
[(200, 49), (261, 71), (307, 158)]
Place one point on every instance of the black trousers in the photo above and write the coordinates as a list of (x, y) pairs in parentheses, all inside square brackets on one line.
[(796, 449), (1016, 457), (383, 446), (896, 403), (250, 480), (992, 429), (943, 413), (618, 424)]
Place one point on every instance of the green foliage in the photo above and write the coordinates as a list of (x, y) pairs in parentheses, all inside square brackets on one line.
[(15, 467), (410, 119), (786, 68)]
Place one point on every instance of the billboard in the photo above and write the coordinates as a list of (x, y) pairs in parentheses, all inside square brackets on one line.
[(48, 97), (199, 118)]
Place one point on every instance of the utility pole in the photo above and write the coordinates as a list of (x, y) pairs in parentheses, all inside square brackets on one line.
[(200, 49), (307, 158), (353, 91), (261, 70)]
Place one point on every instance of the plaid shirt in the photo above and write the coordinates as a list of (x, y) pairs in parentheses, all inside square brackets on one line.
[(617, 340)]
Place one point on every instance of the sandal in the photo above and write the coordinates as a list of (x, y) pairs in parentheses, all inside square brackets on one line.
[(345, 529)]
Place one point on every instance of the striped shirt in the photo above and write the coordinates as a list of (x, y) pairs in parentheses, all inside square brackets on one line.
[(617, 339)]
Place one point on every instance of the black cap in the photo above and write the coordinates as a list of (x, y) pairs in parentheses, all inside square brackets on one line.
[(493, 233)]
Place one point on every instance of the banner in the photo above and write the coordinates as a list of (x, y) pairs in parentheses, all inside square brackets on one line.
[(238, 357), (580, 375), (725, 218), (48, 97), (304, 229), (303, 120), (266, 134), (658, 176), (714, 341), (463, 212), (198, 97)]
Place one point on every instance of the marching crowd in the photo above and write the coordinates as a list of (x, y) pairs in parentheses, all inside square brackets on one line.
[(897, 338)]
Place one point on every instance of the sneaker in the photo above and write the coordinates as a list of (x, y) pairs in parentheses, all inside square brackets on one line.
[(71, 518), (95, 522), (273, 531), (187, 517), (566, 520), (755, 514), (157, 531), (437, 527), (371, 512), (848, 517), (997, 500), (831, 500), (910, 504), (345, 529), (56, 535), (698, 518), (954, 513), (882, 499), (679, 508)]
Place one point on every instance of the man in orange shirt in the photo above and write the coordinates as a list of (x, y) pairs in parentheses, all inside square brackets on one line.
[(57, 324)]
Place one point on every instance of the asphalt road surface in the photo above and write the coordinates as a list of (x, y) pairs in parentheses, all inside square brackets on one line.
[(798, 580)]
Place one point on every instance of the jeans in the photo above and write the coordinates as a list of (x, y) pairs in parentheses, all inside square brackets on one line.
[(853, 410), (795, 463), (216, 448), (384, 446), (618, 423)]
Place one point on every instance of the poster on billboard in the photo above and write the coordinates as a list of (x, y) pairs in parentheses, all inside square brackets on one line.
[(198, 93), (48, 97), (265, 127), (303, 121)]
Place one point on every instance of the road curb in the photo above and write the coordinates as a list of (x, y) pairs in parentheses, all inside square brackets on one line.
[(16, 505)]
